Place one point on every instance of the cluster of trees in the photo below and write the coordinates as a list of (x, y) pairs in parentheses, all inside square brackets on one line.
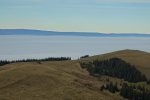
[(114, 67), (134, 92), (4, 62), (110, 87), (131, 92)]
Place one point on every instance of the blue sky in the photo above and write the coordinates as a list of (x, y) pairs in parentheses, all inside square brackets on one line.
[(106, 16)]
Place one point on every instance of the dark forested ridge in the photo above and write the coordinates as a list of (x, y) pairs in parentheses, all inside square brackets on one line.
[(4, 62), (114, 67)]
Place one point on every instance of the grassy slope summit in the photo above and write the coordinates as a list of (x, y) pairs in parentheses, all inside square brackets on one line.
[(64, 80)]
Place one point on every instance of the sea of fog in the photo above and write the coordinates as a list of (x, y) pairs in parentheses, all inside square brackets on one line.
[(23, 47)]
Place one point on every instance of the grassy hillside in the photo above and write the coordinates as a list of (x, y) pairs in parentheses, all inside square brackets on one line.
[(62, 80), (49, 81), (140, 59)]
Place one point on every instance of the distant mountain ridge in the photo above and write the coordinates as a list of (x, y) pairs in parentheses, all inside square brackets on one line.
[(55, 33)]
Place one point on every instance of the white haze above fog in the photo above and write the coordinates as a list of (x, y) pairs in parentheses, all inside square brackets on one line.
[(23, 47)]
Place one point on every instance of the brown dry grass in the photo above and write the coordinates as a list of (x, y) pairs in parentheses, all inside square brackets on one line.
[(49, 81)]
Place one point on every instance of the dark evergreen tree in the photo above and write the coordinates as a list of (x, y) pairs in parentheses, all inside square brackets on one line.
[(84, 56), (110, 87)]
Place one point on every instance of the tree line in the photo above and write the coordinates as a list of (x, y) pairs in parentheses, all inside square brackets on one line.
[(4, 62), (131, 92), (114, 67)]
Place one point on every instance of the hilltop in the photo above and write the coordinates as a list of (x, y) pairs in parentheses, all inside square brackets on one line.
[(62, 80), (140, 59)]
